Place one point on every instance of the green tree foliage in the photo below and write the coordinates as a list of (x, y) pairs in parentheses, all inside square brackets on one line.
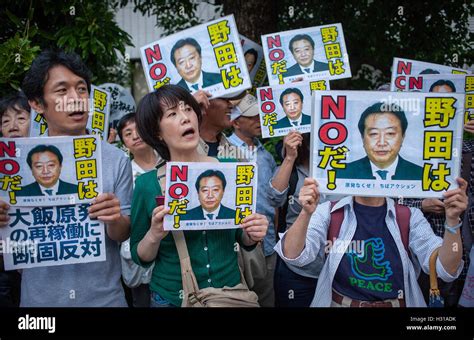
[(171, 15), (85, 27), (375, 31)]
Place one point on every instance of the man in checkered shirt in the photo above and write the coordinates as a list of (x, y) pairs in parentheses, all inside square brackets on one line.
[(433, 210)]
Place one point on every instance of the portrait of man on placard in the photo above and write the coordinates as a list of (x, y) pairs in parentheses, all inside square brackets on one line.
[(291, 101), (302, 48), (187, 58), (45, 162), (210, 186), (382, 128)]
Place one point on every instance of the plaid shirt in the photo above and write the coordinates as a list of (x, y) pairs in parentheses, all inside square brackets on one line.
[(437, 221)]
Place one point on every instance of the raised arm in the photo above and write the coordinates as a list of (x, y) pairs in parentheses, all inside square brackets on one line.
[(295, 237), (282, 176), (455, 202)]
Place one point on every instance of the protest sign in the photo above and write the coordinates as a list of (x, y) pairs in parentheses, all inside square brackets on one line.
[(204, 199), (178, 59), (406, 72), (287, 107), (98, 108), (253, 54), (50, 171), (122, 102), (38, 124), (51, 236), (306, 54), (446, 83), (386, 143)]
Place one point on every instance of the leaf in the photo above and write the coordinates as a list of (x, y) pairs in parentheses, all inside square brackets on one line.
[(30, 12), (33, 31), (46, 35), (13, 17)]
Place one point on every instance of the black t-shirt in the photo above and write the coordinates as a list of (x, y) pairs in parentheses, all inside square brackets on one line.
[(371, 268), (213, 149)]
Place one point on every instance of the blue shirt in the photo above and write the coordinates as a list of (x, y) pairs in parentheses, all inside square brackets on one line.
[(371, 268), (266, 168)]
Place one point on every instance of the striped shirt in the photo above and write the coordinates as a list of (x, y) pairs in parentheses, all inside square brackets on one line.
[(422, 243)]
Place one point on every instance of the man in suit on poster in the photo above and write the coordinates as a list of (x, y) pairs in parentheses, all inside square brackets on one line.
[(186, 57), (302, 48), (45, 162), (210, 186), (382, 128)]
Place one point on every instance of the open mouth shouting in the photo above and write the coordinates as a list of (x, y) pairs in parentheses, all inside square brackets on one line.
[(189, 133), (77, 115)]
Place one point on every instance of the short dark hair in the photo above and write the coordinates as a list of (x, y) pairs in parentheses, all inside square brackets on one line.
[(16, 101), (253, 52), (37, 75), (381, 108), (211, 173), (291, 90), (442, 82), (44, 148), (181, 43), (127, 118), (150, 112), (429, 71), (301, 37)]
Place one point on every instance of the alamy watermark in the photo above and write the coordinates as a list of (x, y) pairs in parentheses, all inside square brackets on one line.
[(10, 246), (406, 104)]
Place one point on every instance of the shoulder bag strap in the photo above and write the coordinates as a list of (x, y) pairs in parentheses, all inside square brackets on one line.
[(433, 276)]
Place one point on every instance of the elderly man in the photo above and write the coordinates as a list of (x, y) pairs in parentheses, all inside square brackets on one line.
[(246, 123)]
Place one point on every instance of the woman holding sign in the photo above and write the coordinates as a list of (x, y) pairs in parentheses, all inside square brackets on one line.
[(168, 120)]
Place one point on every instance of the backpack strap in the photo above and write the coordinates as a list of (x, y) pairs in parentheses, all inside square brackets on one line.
[(403, 215), (335, 222)]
